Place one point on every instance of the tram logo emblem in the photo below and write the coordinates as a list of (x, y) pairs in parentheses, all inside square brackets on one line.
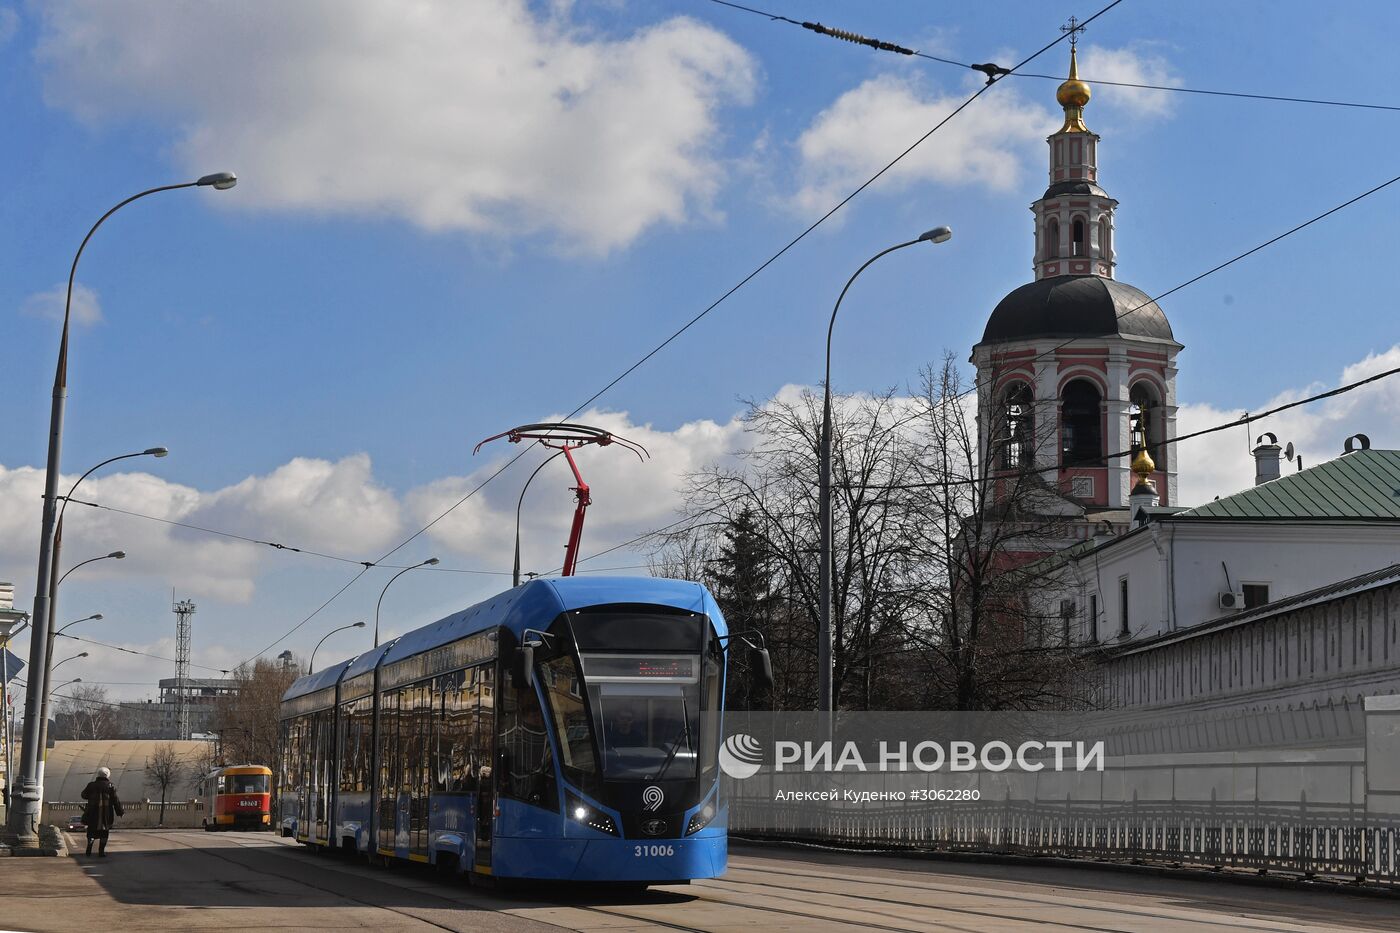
[(740, 756), (652, 798)]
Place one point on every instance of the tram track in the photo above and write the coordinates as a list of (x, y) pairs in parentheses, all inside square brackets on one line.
[(214, 852), (761, 896), (944, 888)]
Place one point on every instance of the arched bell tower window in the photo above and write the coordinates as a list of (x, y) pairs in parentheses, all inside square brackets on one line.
[(1105, 250), (1052, 238), (1145, 424), (1078, 244), (1018, 427), (1081, 430)]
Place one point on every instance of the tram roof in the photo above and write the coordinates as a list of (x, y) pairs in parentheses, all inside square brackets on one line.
[(532, 604), (327, 676), (368, 661)]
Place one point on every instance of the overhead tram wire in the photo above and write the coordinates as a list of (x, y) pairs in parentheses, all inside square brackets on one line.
[(842, 203), (273, 544), (995, 72), (144, 654), (1192, 281), (1246, 419), (694, 320)]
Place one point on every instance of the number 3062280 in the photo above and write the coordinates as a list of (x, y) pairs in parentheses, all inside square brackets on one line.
[(652, 851)]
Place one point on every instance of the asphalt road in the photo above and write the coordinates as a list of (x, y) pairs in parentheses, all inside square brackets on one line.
[(190, 880)]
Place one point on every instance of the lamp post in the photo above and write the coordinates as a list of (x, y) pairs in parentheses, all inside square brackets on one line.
[(24, 821), (824, 691), (427, 563), (515, 577), (53, 607), (12, 622), (311, 665)]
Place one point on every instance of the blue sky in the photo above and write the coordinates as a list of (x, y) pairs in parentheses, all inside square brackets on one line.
[(455, 218)]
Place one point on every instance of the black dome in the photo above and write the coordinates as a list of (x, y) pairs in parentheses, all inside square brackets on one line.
[(1076, 186), (1076, 306)]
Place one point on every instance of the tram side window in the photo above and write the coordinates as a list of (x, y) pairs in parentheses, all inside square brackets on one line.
[(484, 728), (526, 766), (388, 744), (446, 728)]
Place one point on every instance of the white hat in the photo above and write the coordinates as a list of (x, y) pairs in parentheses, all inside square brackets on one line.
[(104, 772)]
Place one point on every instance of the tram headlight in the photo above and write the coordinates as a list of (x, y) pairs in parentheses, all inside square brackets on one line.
[(591, 817), (700, 819)]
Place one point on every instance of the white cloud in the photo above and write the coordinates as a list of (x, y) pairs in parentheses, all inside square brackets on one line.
[(1219, 464), (1131, 65), (990, 143), (494, 117), (308, 502), (49, 304), (987, 144)]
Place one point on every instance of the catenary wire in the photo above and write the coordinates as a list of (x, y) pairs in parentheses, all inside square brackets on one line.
[(1246, 419), (696, 319), (996, 72), (842, 203), (93, 641), (273, 544), (977, 386)]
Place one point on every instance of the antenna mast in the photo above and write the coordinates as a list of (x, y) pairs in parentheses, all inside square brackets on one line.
[(184, 613)]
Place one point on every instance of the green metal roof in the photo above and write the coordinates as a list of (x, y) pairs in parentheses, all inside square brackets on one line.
[(1360, 486)]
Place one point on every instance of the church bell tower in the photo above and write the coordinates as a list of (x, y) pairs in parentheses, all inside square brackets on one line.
[(1076, 366)]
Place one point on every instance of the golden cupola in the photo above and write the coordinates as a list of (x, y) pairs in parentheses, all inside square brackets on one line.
[(1073, 95)]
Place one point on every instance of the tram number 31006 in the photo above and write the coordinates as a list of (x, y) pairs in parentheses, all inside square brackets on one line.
[(652, 851)]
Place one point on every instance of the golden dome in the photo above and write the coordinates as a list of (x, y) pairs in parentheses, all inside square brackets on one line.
[(1143, 464), (1073, 95)]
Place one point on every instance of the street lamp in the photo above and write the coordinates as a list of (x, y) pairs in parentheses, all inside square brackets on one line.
[(95, 617), (427, 563), (66, 683), (24, 821), (311, 665), (824, 692), (515, 577), (53, 608), (80, 654)]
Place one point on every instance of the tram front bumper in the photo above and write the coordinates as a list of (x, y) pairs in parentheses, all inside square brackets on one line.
[(699, 856)]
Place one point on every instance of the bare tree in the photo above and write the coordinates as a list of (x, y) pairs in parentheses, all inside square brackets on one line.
[(937, 552), (164, 769), (988, 528), (246, 720), (87, 713)]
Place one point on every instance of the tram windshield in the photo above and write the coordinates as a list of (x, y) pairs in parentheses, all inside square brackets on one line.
[(647, 708), (246, 783)]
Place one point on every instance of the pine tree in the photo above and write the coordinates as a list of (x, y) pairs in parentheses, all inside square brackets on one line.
[(743, 580)]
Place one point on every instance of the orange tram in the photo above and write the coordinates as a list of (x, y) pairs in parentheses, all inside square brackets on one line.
[(238, 797)]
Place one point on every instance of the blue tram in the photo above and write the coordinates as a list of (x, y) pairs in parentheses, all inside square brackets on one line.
[(565, 729)]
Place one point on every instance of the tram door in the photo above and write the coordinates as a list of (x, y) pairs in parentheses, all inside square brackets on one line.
[(419, 763), (389, 763), (484, 754)]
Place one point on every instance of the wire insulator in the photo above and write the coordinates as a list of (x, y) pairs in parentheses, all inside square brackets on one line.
[(857, 38)]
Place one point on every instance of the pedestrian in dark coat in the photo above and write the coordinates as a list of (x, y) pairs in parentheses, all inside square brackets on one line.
[(101, 811)]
